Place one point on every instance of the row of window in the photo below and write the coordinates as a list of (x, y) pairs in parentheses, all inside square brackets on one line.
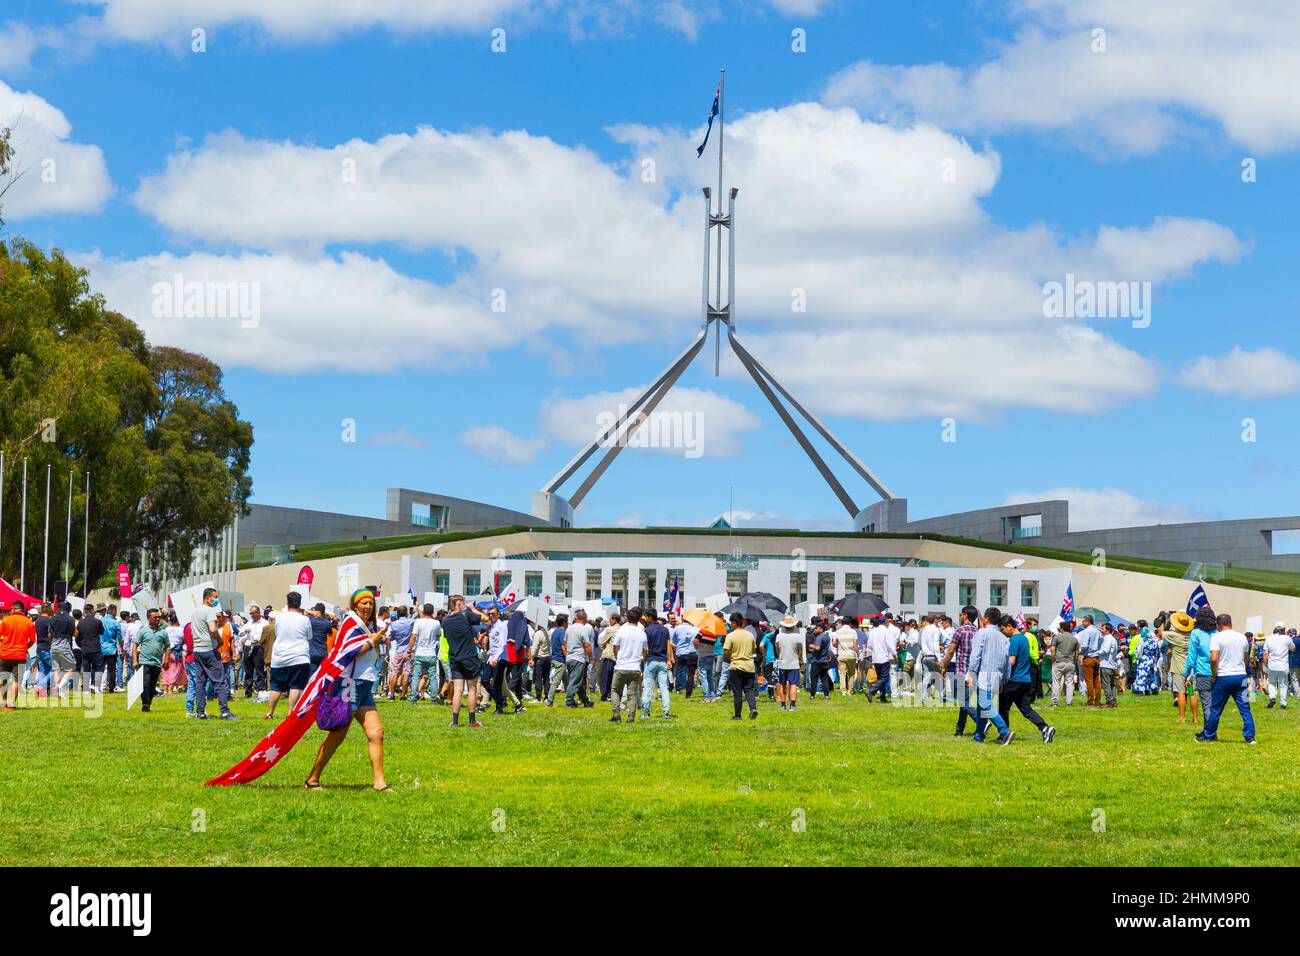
[(649, 590)]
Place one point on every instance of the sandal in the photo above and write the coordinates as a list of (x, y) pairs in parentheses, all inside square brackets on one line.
[(312, 786), (384, 789)]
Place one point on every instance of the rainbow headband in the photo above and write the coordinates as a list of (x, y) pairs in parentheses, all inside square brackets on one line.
[(360, 593)]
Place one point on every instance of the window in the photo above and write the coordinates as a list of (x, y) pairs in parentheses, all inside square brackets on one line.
[(907, 591), (533, 583), (737, 582), (594, 585), (937, 590), (473, 583), (825, 587), (564, 584), (998, 593), (1029, 594), (852, 582), (798, 587), (878, 585), (965, 592), (618, 586), (442, 581), (646, 590)]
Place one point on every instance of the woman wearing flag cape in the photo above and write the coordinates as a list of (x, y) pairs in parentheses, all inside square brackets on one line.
[(353, 658)]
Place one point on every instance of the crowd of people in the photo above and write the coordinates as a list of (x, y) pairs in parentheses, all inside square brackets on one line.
[(984, 664)]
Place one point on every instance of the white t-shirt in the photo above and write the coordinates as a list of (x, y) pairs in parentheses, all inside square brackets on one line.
[(629, 643), (252, 632), (1279, 648), (1232, 652), (292, 639), (428, 637)]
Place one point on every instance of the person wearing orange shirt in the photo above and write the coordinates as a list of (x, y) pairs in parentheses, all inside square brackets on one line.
[(17, 634)]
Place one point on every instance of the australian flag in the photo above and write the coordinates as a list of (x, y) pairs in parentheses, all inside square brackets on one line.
[(1067, 605), (1198, 600), (673, 598), (717, 95)]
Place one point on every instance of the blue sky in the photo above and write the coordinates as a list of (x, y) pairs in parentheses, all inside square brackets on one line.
[(520, 170)]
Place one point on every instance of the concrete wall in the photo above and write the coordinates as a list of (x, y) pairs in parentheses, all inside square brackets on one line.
[(1246, 543), (994, 524), (458, 514)]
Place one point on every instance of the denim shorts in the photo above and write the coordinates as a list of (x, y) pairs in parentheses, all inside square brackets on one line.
[(363, 694), (293, 677)]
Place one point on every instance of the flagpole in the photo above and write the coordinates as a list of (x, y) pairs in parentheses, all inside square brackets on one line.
[(85, 567), (45, 571), (2, 506), (22, 544), (717, 338), (67, 548)]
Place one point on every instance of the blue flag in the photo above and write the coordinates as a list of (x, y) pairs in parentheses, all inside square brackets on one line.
[(1198, 600), (1067, 606), (717, 95)]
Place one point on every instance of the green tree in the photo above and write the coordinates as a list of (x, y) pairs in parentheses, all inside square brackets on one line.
[(81, 390)]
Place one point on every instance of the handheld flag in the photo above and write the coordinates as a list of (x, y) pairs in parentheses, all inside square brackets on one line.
[(1021, 622), (1198, 600), (354, 633), (717, 96), (1067, 605), (672, 599)]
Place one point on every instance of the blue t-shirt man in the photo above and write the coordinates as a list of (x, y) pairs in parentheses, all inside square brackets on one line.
[(1019, 648), (557, 646), (112, 634)]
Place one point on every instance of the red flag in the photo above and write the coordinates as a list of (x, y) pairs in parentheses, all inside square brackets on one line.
[(123, 581), (353, 635), (306, 575)]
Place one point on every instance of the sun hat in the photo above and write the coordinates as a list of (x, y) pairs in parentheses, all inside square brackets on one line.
[(1182, 622), (789, 621)]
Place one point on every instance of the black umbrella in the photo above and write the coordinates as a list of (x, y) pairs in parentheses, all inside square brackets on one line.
[(763, 599), (857, 605), (748, 609)]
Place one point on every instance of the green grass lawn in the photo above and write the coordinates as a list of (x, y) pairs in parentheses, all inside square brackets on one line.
[(872, 784)]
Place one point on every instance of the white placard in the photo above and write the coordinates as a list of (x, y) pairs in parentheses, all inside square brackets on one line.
[(134, 687), (143, 599), (349, 576), (187, 601), (1255, 624), (595, 609), (716, 602), (78, 603)]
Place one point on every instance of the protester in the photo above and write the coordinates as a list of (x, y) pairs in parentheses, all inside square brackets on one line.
[(518, 641), (1277, 656), (462, 653), (1177, 634), (292, 668), (884, 652), (17, 634), (1018, 689), (360, 688), (1228, 649), (789, 659), (1198, 666), (738, 650), (577, 657), (608, 654), (686, 656), (659, 664), (629, 656), (989, 671), (152, 651), (539, 657), (958, 656), (1109, 664), (845, 641), (425, 645)]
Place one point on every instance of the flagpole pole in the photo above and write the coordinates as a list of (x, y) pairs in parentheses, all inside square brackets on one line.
[(85, 567), (67, 547), (717, 338), (22, 546), (45, 573)]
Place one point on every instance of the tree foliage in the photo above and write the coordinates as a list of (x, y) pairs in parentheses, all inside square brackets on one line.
[(81, 390)]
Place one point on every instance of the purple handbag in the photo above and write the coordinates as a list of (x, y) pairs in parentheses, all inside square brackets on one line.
[(334, 712)]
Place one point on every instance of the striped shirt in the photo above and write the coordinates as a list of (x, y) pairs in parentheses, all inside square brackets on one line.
[(962, 637)]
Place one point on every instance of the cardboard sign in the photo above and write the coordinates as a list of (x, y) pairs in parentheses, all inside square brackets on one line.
[(185, 602), (716, 602)]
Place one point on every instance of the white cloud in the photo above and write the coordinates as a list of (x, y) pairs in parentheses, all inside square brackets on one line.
[(1264, 373), (170, 21), (970, 375), (689, 422), (632, 519), (314, 312), (1091, 509), (1165, 67), (496, 444), (855, 218), (54, 175), (18, 42)]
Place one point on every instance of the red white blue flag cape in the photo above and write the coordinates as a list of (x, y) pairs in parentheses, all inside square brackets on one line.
[(352, 638)]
